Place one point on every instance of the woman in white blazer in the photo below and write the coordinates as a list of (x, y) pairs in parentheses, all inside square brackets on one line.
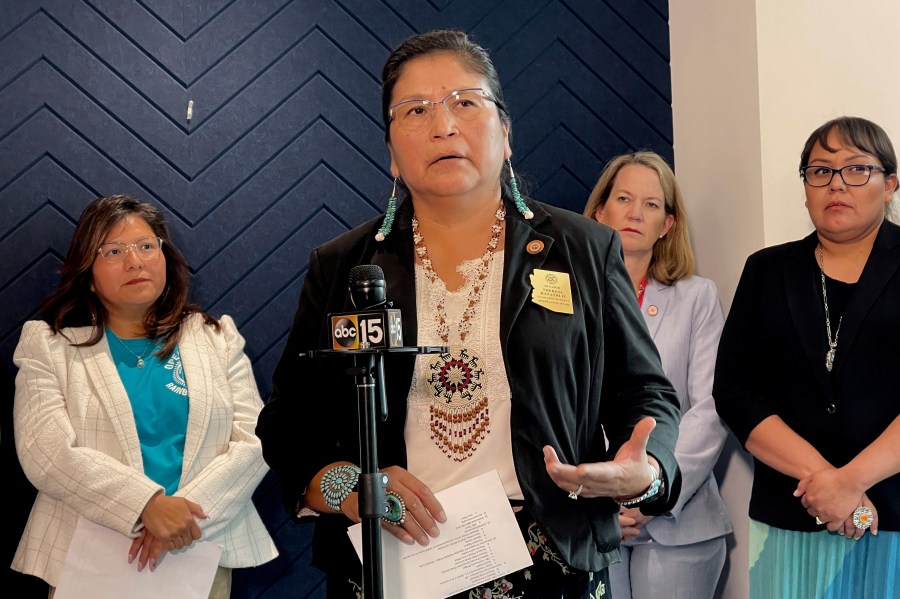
[(681, 553), (134, 409)]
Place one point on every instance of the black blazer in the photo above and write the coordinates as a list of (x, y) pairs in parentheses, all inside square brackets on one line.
[(571, 376), (771, 361)]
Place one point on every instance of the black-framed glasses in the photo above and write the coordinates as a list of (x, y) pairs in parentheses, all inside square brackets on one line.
[(146, 248), (853, 175), (462, 104)]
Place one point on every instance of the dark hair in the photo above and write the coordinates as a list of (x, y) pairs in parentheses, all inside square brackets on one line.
[(856, 132), (74, 304), (470, 54), (672, 258)]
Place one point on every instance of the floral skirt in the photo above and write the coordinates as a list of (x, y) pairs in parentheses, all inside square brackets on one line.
[(548, 578), (821, 565)]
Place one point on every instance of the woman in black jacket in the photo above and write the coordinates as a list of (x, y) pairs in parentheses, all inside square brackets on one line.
[(805, 379), (547, 348)]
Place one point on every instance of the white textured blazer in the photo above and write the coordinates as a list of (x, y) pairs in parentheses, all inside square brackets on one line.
[(78, 444), (685, 321)]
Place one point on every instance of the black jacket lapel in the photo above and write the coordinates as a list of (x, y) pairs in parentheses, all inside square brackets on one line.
[(804, 298), (521, 257), (881, 266)]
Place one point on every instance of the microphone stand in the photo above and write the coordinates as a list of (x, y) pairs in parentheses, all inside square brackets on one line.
[(368, 370), (372, 484)]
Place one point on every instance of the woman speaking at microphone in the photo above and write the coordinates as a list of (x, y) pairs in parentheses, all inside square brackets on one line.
[(529, 385)]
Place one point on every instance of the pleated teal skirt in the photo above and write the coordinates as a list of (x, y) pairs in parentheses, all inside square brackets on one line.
[(785, 564)]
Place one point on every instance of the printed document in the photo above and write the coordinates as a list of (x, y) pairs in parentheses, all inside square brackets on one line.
[(479, 542)]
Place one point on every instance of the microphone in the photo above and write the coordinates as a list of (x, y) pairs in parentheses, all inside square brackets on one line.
[(367, 286), (372, 325)]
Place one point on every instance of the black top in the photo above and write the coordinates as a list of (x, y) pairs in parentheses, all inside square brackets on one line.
[(572, 377), (771, 361)]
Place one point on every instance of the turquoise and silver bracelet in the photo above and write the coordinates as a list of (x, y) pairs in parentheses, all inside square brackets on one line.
[(656, 488), (337, 484)]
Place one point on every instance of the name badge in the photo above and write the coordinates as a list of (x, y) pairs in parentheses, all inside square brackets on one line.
[(552, 290)]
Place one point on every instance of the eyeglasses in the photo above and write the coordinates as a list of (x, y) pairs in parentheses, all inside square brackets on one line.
[(146, 248), (463, 104), (853, 175)]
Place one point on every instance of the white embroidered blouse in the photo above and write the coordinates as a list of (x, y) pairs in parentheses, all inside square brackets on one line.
[(428, 456)]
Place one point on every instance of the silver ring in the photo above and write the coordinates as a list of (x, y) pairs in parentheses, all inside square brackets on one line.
[(862, 517), (819, 521), (574, 494), (394, 509)]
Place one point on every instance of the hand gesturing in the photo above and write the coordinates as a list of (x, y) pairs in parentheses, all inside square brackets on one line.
[(629, 474)]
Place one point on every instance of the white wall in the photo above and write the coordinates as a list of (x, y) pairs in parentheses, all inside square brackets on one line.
[(750, 81), (815, 65)]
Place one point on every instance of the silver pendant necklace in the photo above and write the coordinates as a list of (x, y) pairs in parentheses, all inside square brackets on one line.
[(140, 358), (832, 343)]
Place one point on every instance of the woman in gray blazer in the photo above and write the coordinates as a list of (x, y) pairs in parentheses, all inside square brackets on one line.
[(683, 550)]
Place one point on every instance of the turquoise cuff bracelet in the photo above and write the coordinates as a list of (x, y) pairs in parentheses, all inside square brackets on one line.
[(337, 484)]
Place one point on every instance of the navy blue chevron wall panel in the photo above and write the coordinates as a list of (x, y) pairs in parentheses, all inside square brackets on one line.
[(284, 148)]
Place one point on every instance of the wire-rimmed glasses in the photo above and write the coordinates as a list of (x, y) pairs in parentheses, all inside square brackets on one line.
[(463, 104), (145, 248)]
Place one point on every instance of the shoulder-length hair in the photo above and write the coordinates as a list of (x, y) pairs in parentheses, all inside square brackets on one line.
[(74, 304), (672, 258)]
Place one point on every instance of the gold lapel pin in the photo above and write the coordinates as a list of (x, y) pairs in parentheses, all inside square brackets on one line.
[(535, 246)]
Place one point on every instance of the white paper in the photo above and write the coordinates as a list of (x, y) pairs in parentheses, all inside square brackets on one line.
[(479, 542), (97, 568)]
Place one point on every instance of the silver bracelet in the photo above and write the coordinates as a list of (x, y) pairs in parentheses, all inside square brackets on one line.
[(655, 488), (337, 483)]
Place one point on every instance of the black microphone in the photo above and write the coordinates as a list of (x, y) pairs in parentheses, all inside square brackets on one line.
[(367, 286), (373, 325)]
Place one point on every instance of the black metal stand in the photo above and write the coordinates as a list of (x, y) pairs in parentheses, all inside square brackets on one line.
[(371, 482), (368, 369)]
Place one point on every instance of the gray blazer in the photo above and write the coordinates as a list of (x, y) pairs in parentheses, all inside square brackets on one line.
[(685, 321)]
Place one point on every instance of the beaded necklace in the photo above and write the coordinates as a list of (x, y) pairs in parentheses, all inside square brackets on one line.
[(459, 413), (465, 323)]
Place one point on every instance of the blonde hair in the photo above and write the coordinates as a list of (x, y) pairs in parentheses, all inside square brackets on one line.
[(673, 258)]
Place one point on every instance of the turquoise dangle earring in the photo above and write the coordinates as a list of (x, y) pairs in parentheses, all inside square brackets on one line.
[(517, 197), (388, 222)]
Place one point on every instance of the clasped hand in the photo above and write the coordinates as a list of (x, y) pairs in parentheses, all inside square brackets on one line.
[(632, 522), (629, 474), (831, 496), (170, 523)]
